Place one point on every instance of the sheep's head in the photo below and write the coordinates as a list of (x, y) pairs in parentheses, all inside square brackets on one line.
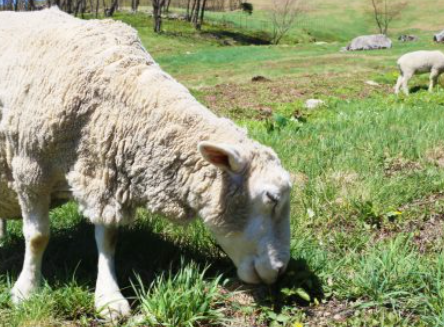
[(252, 205)]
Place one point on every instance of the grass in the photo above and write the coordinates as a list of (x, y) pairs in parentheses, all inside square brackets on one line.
[(367, 206), (184, 298)]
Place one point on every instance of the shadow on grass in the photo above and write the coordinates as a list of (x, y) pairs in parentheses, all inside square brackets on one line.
[(72, 252), (418, 88), (244, 39), (223, 37), (299, 286)]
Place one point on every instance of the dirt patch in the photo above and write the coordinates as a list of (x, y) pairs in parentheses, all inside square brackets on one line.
[(259, 78), (243, 296), (299, 180), (400, 165), (428, 237), (326, 313), (236, 100), (344, 177), (347, 183), (427, 229), (436, 156)]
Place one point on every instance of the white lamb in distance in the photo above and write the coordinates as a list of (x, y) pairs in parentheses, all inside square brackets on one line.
[(419, 62), (88, 115)]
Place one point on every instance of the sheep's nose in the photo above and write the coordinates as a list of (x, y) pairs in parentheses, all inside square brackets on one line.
[(280, 268)]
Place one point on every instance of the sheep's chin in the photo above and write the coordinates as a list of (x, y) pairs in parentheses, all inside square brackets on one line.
[(253, 271), (247, 273)]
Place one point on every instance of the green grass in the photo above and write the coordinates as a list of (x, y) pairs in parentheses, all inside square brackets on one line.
[(183, 298), (367, 206)]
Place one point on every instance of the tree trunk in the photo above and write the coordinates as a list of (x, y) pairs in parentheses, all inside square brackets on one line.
[(134, 5), (193, 9), (69, 6), (112, 9), (187, 17), (157, 15), (202, 13), (77, 7), (195, 16), (31, 5), (167, 6), (97, 8)]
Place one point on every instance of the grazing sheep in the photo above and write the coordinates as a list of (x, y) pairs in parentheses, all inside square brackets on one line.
[(419, 62), (88, 115)]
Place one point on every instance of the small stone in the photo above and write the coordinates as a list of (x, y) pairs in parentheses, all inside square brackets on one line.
[(313, 103), (372, 83)]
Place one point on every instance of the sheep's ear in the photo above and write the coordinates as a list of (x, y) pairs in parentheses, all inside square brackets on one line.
[(224, 156)]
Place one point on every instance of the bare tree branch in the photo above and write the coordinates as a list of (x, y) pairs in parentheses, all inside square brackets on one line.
[(385, 11), (284, 16)]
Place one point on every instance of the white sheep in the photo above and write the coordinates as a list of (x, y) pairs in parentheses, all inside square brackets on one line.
[(419, 62), (86, 114)]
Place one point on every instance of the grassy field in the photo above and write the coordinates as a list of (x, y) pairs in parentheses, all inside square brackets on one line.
[(367, 206)]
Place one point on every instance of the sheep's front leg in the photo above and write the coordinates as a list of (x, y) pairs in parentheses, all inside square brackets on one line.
[(398, 84), (2, 228), (433, 79), (36, 232), (405, 79), (109, 301)]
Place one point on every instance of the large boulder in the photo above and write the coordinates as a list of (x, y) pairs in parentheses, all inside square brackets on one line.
[(369, 42), (439, 37)]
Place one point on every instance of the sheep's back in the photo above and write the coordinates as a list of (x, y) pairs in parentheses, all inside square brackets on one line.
[(421, 61), (52, 73)]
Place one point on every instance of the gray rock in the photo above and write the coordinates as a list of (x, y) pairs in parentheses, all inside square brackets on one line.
[(407, 38), (313, 103), (370, 42), (439, 37)]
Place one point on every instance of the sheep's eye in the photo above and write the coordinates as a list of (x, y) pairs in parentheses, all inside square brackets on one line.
[(272, 197)]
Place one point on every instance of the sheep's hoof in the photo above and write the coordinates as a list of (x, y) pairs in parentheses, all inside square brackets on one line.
[(22, 291), (113, 308)]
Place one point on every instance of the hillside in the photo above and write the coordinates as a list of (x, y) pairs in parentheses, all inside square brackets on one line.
[(341, 20)]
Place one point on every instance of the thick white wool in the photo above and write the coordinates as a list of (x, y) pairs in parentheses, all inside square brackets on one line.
[(86, 113), (419, 62)]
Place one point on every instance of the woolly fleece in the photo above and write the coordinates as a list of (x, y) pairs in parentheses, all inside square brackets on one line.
[(86, 113)]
